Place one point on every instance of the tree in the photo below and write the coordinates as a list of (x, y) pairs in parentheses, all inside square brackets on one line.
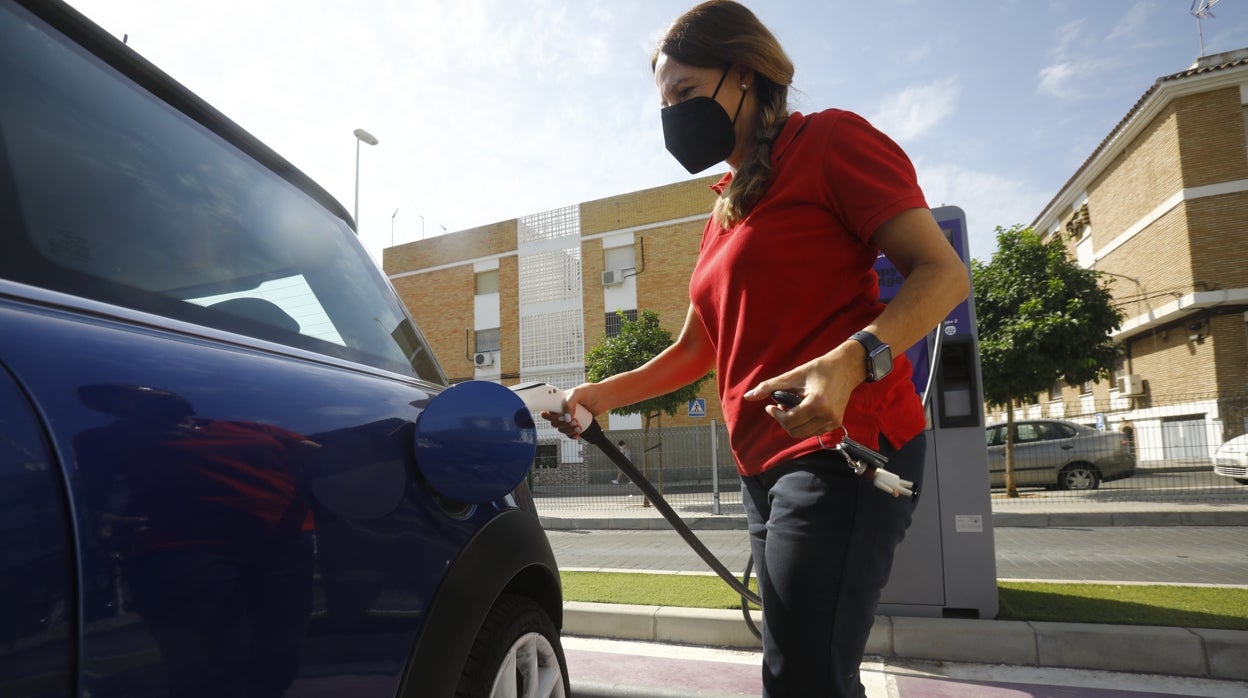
[(637, 342), (1042, 318)]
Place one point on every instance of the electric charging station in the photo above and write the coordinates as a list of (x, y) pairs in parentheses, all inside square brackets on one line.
[(946, 566)]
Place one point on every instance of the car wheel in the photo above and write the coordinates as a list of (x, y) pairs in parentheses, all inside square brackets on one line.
[(1242, 480), (1079, 476), (516, 653)]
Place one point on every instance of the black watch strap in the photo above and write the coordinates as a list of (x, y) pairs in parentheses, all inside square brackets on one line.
[(879, 355)]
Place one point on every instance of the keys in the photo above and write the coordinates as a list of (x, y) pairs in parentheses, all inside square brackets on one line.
[(859, 456), (862, 459), (865, 462)]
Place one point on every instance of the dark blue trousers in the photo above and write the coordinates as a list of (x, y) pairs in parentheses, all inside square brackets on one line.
[(823, 543)]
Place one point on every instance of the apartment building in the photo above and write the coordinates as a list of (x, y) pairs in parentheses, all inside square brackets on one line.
[(1161, 207)]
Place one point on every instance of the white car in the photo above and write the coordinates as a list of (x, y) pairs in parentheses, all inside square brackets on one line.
[(1231, 459)]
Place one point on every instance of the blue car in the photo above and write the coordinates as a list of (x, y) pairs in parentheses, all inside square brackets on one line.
[(227, 455)]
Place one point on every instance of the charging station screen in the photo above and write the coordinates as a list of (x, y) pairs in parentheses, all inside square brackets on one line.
[(952, 222)]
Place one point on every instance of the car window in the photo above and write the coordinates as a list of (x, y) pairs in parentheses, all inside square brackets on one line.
[(996, 436), (109, 193), (1053, 431), (1027, 432)]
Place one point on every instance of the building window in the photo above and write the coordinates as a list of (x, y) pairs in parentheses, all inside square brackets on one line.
[(547, 456), (489, 340), (487, 282), (614, 323), (1055, 391), (1086, 388)]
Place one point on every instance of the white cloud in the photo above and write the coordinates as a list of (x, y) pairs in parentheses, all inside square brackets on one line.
[(1133, 23), (915, 110), (1079, 79), (919, 53), (1055, 79), (990, 200), (1065, 39)]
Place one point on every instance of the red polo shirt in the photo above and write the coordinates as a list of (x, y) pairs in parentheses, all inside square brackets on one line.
[(794, 279)]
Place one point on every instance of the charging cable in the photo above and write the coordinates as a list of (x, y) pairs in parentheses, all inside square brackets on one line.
[(542, 396)]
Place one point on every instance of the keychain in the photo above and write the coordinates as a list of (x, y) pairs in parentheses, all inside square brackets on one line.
[(866, 463)]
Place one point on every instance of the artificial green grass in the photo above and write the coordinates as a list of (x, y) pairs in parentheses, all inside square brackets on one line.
[(1125, 604), (683, 590), (1121, 604)]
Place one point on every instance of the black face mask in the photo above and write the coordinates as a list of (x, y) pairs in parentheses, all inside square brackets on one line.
[(698, 132)]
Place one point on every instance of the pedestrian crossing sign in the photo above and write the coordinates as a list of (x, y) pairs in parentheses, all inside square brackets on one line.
[(697, 407)]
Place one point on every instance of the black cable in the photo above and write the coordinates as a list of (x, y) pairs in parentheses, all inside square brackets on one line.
[(745, 604), (596, 436)]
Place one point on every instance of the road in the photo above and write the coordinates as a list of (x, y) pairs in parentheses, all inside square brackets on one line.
[(1171, 555)]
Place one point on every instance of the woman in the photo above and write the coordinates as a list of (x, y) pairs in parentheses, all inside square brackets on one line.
[(784, 297)]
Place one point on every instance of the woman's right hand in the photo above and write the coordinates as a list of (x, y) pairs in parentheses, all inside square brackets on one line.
[(587, 395)]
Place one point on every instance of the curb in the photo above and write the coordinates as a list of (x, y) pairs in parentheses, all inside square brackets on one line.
[(731, 522), (999, 520), (1120, 518), (1191, 652)]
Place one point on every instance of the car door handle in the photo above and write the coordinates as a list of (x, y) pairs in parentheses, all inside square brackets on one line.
[(1067, 447)]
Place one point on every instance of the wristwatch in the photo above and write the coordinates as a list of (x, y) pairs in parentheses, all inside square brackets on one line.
[(879, 355)]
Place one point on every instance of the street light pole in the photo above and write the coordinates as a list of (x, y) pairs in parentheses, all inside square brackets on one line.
[(392, 215), (365, 136)]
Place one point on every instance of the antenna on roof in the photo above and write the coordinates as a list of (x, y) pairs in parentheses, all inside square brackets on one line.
[(1200, 10)]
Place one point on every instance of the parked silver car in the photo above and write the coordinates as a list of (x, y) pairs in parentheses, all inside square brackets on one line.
[(1059, 454)]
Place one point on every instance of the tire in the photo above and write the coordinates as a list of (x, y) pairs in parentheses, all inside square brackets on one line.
[(1242, 480), (1079, 476), (517, 653)]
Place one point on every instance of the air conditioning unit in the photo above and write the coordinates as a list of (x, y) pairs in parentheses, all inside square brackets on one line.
[(483, 358), (1130, 385), (612, 278)]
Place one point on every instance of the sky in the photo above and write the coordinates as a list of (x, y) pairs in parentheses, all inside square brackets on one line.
[(487, 110)]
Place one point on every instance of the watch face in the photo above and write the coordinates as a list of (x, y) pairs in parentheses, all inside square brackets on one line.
[(881, 362)]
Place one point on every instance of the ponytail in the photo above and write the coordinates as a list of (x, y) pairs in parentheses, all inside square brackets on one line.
[(751, 179)]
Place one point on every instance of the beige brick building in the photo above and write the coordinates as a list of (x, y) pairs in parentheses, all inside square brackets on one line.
[(525, 299), (1162, 206)]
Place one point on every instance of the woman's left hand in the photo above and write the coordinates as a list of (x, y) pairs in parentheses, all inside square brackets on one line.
[(824, 385)]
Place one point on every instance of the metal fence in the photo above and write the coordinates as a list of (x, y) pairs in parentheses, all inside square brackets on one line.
[(1171, 448)]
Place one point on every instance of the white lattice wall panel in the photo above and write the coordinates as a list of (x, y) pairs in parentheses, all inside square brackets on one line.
[(552, 275), (548, 225), (552, 324), (552, 339)]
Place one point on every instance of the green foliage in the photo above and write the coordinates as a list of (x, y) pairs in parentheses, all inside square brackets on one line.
[(638, 341), (1042, 317)]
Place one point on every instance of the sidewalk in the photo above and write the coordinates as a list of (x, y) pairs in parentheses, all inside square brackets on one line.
[(618, 669), (1179, 652)]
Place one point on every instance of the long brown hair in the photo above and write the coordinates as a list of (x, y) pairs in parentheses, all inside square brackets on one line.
[(723, 32)]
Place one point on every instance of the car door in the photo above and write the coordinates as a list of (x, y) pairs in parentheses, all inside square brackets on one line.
[(996, 455), (37, 581), (1034, 456)]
